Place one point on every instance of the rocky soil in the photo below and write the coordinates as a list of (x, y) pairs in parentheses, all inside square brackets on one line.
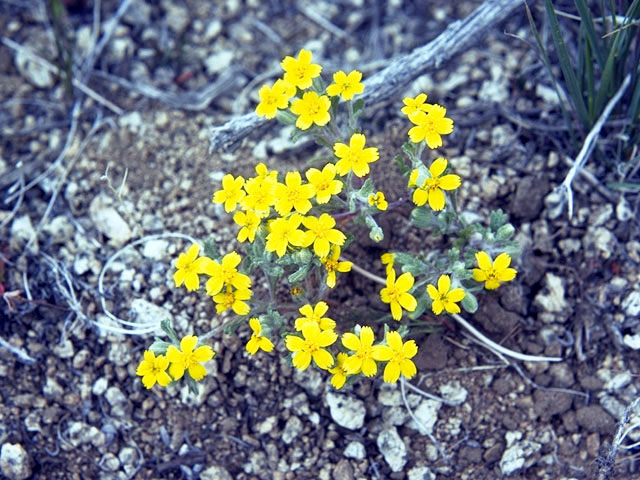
[(125, 162)]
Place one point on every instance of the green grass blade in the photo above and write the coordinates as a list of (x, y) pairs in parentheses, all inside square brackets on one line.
[(547, 63), (614, 70), (589, 28), (565, 65)]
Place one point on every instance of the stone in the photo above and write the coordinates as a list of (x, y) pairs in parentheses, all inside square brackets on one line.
[(594, 419), (177, 17), (129, 458), (110, 462), (155, 249), (59, 230), (392, 448), (618, 382), (100, 386), (355, 450), (117, 400), (518, 453), (215, 472), (631, 304), (292, 429), (119, 353), (21, 232), (427, 415), (218, 62), (108, 221), (420, 473), (311, 380), (15, 462), (33, 72), (552, 298), (343, 470), (146, 313), (632, 341), (453, 392), (64, 349), (347, 411)]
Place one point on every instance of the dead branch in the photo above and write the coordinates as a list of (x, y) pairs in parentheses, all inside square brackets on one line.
[(458, 37)]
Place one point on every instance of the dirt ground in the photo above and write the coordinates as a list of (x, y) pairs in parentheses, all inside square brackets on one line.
[(72, 406)]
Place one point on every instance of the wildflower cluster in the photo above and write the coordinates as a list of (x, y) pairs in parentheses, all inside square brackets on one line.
[(294, 225)]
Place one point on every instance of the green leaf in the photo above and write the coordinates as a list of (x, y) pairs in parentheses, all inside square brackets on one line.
[(300, 274), (211, 249), (286, 117), (505, 232), (497, 218), (165, 325), (624, 186), (424, 301), (469, 302), (423, 217), (159, 347)]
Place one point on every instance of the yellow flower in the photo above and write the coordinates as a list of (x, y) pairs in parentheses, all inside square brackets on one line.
[(339, 372), (264, 173), (293, 195), (231, 192), (322, 234), (324, 183), (354, 156), (365, 353), (226, 273), (346, 85), (189, 358), (399, 356), (397, 294), (493, 273), (188, 267), (257, 341), (432, 188), (311, 347), (282, 232), (274, 98), (260, 195), (378, 200), (332, 264), (430, 126), (443, 297), (413, 178), (233, 299), (414, 105), (299, 72), (387, 259), (153, 370), (315, 315), (311, 109), (250, 222)]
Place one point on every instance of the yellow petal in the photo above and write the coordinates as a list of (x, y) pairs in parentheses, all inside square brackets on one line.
[(188, 343), (450, 182), (405, 281), (436, 199), (294, 343), (204, 353), (502, 261), (438, 167), (437, 306), (391, 372), (408, 369), (322, 359), (366, 336), (369, 367), (350, 341), (444, 283), (255, 325), (197, 371), (456, 295), (394, 340), (433, 292), (252, 345), (506, 275), (484, 261), (301, 360)]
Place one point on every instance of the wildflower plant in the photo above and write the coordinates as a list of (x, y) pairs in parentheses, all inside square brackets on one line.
[(294, 226)]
